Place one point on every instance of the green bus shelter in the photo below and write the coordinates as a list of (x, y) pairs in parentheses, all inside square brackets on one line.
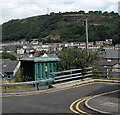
[(38, 68)]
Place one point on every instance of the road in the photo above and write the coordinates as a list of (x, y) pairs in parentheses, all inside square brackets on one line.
[(56, 101)]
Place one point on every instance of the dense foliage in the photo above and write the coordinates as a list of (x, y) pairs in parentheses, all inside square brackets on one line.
[(68, 26), (6, 55), (76, 58)]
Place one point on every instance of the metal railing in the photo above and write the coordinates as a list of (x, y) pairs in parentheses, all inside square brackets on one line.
[(106, 72), (56, 77), (27, 83), (71, 74)]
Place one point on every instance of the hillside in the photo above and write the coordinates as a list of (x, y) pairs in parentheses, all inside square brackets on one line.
[(59, 27)]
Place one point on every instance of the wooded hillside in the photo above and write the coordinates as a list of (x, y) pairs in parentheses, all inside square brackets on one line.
[(68, 26)]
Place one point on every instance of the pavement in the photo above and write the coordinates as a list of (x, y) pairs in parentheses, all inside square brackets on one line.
[(83, 81), (106, 103)]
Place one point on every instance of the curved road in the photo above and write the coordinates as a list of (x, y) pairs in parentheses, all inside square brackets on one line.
[(56, 101)]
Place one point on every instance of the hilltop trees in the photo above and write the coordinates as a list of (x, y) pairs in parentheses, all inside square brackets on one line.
[(69, 26)]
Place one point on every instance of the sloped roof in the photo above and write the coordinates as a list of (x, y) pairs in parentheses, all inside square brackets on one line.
[(106, 63), (40, 59), (112, 54), (7, 66), (52, 55), (45, 55)]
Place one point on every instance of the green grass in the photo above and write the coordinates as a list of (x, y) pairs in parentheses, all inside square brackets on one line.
[(14, 87)]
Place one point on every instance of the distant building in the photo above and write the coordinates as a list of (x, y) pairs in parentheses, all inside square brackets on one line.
[(108, 41), (90, 47), (1, 49), (50, 55), (20, 51), (109, 66), (45, 47), (9, 48), (30, 50), (117, 46), (82, 43), (55, 46), (101, 43), (112, 55)]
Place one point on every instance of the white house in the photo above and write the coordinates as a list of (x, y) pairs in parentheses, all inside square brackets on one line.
[(20, 51)]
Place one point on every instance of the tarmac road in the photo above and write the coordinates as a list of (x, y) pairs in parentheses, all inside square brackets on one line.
[(56, 101)]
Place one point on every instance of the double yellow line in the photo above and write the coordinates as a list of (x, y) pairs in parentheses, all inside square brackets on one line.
[(76, 104)]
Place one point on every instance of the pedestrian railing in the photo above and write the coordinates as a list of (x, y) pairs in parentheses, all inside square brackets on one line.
[(106, 72), (71, 74), (36, 83)]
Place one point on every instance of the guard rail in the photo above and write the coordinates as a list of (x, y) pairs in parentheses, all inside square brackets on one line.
[(71, 74), (27, 83)]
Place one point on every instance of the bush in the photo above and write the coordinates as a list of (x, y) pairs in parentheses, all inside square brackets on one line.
[(6, 55)]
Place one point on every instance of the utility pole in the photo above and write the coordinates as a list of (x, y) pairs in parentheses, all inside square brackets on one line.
[(86, 24), (47, 11)]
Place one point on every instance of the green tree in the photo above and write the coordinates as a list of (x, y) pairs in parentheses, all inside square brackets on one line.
[(115, 40), (76, 58), (68, 25), (6, 55)]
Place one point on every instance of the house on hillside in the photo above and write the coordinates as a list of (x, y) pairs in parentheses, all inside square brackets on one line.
[(8, 68), (50, 55), (101, 43), (108, 41), (108, 68), (110, 63), (20, 51), (30, 50), (112, 55), (117, 46), (9, 48), (1, 49)]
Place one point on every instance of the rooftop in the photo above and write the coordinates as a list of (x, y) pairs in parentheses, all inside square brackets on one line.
[(7, 65), (40, 59), (112, 53), (106, 63)]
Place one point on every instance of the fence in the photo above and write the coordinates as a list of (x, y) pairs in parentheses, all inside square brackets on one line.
[(57, 77), (27, 83), (104, 72), (71, 74)]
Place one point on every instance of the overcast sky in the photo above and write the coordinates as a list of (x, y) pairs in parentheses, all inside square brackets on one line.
[(17, 9)]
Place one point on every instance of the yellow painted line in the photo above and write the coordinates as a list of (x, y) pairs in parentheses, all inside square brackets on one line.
[(78, 104), (71, 106), (35, 93), (79, 101), (47, 91), (103, 82)]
